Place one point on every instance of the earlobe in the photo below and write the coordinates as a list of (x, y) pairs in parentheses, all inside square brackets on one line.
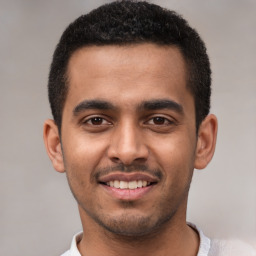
[(53, 145), (207, 135)]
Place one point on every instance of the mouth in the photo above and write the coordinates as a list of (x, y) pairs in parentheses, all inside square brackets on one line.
[(134, 184), (128, 186)]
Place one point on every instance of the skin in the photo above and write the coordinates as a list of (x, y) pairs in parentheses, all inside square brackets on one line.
[(116, 121)]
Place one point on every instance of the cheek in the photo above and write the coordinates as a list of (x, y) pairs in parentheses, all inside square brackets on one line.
[(175, 155), (82, 156)]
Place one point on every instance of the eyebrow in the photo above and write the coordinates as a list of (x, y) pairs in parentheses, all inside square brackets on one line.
[(146, 105), (162, 104), (92, 104)]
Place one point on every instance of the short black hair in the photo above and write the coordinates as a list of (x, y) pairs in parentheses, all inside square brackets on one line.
[(132, 22)]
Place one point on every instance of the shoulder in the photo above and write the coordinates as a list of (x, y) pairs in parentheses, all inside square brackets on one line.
[(231, 248), (67, 253), (73, 251)]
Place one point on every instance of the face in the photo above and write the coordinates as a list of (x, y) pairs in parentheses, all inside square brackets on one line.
[(128, 138)]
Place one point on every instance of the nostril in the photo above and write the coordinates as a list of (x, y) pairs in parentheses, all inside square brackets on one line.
[(115, 159)]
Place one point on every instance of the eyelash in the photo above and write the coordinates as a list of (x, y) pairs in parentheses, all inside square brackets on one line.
[(162, 121), (92, 119)]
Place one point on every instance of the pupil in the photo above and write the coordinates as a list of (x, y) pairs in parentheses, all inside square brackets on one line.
[(159, 120), (97, 120)]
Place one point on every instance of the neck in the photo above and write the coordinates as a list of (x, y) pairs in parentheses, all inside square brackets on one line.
[(172, 238)]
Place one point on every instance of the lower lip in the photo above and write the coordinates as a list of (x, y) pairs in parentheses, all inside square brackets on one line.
[(128, 194)]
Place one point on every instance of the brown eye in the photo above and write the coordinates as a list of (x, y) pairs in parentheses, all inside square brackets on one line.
[(159, 120), (96, 124), (96, 121), (160, 124)]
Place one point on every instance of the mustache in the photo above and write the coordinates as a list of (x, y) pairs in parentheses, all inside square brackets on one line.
[(126, 169)]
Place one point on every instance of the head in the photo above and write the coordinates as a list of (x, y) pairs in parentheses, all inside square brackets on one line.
[(128, 23), (129, 88)]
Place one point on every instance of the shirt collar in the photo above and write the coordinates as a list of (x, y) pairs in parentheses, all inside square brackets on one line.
[(205, 242), (204, 246), (73, 249)]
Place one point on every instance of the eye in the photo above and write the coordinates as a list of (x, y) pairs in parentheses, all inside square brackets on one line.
[(96, 121), (159, 120)]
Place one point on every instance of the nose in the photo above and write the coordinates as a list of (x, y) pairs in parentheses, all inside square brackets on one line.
[(127, 145)]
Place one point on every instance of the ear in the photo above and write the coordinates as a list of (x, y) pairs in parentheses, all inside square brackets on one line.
[(206, 141), (53, 145)]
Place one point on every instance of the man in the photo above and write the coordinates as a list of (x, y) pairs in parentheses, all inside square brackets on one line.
[(129, 89)]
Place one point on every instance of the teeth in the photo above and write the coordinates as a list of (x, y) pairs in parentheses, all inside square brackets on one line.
[(123, 184), (128, 184), (139, 183), (132, 184), (116, 183)]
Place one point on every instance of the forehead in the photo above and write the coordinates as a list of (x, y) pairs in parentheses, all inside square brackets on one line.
[(158, 60), (127, 74)]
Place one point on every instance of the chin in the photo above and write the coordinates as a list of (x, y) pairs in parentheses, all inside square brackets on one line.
[(132, 225)]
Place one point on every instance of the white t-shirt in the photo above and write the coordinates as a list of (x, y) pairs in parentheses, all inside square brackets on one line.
[(207, 247)]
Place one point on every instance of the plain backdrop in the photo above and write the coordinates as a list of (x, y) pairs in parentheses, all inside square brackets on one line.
[(38, 215)]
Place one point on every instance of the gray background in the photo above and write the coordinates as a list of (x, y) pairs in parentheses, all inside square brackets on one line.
[(38, 215)]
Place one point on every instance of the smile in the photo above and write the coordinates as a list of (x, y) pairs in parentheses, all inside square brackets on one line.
[(128, 184)]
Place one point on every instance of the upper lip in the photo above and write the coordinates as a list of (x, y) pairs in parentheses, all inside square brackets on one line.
[(128, 177)]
